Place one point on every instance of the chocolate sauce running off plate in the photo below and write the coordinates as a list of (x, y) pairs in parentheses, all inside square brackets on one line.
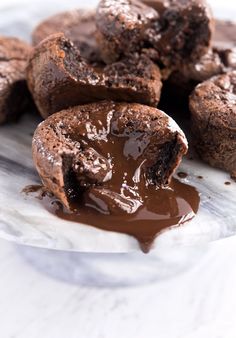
[(163, 208)]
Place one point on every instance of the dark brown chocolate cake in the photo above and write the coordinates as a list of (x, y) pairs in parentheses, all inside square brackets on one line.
[(59, 77), (213, 111), (122, 27), (179, 31), (107, 145)]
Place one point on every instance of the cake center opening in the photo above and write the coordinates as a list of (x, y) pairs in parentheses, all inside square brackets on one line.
[(118, 166)]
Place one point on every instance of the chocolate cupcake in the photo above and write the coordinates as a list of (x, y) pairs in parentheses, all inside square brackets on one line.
[(122, 27), (59, 78), (118, 149), (213, 112), (224, 43), (14, 94)]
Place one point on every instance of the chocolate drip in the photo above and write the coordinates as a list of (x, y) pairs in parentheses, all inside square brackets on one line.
[(163, 209)]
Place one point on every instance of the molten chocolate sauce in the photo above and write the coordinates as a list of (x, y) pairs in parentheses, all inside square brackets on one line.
[(118, 191), (162, 209)]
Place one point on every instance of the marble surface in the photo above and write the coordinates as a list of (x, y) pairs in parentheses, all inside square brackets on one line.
[(198, 303), (23, 218)]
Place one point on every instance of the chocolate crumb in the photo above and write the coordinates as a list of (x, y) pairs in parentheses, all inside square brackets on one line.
[(37, 188), (32, 189), (182, 175)]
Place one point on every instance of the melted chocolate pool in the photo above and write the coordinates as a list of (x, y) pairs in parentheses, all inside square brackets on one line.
[(162, 209)]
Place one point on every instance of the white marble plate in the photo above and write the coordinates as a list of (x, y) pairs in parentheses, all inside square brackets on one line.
[(24, 220)]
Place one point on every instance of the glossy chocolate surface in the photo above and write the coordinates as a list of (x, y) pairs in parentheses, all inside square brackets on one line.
[(117, 161), (161, 210)]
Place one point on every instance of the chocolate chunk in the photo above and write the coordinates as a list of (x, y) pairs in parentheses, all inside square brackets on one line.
[(213, 110), (77, 25), (59, 77), (107, 151), (14, 95), (179, 31)]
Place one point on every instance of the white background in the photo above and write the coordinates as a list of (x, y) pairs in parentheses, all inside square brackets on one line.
[(199, 303)]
